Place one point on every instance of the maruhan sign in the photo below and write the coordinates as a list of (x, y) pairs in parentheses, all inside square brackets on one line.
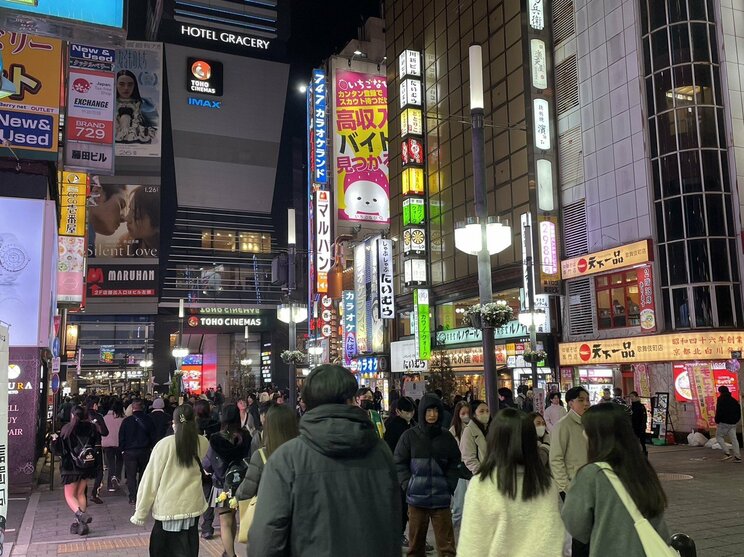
[(224, 37)]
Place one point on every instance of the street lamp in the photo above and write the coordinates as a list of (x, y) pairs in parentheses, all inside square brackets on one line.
[(482, 236), (180, 352)]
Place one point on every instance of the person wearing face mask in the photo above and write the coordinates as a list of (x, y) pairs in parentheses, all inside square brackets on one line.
[(543, 438), (460, 420), (395, 426), (365, 399), (473, 441)]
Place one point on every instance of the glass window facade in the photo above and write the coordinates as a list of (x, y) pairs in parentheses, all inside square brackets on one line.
[(692, 194), (618, 300)]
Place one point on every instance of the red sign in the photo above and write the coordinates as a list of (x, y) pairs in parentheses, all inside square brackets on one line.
[(412, 151), (647, 305), (722, 377), (585, 352)]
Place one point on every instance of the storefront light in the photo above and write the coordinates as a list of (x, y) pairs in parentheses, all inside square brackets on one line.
[(180, 352), (539, 316), (468, 236), (291, 312)]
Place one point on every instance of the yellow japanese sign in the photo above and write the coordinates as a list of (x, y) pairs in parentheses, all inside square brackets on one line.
[(607, 260), (73, 189), (29, 116), (413, 181), (657, 348)]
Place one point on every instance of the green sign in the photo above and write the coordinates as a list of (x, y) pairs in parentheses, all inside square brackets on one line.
[(421, 319), (413, 211)]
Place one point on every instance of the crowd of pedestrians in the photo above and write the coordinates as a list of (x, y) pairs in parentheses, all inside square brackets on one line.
[(331, 478)]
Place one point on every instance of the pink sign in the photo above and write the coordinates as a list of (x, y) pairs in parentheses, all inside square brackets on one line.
[(361, 147)]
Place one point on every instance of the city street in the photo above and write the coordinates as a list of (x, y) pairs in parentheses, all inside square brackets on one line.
[(709, 507)]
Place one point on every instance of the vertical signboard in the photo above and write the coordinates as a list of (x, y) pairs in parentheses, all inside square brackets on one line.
[(385, 278), (320, 128), (89, 128), (70, 269), (647, 305), (550, 276), (322, 239), (376, 326), (29, 117), (350, 335), (73, 190), (139, 96), (361, 147), (423, 327), (4, 379), (360, 289)]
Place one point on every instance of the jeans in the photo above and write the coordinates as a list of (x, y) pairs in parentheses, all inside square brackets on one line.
[(114, 463), (418, 526), (722, 432), (458, 501), (135, 461)]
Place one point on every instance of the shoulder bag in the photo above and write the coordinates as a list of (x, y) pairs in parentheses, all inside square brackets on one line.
[(247, 510), (653, 544)]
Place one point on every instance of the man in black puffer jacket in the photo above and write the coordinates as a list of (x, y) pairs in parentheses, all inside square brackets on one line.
[(427, 458), (332, 491), (728, 414)]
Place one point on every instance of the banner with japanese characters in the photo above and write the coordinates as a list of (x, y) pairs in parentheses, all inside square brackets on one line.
[(350, 339), (361, 147), (319, 116), (607, 260), (385, 275)]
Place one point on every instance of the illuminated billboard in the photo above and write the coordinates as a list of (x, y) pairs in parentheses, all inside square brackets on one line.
[(109, 13)]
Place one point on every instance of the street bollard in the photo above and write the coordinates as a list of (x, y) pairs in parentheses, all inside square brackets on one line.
[(684, 544)]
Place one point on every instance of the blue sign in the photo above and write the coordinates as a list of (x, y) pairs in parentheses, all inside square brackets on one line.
[(320, 128), (55, 347), (55, 383), (100, 12), (204, 103), (22, 129), (92, 57)]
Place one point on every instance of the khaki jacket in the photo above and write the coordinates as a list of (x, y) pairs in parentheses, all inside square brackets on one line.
[(568, 448), (473, 446)]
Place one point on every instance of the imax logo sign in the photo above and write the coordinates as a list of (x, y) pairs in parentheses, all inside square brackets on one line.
[(203, 103)]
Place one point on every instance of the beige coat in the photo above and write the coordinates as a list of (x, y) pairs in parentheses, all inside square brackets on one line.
[(568, 448), (473, 446)]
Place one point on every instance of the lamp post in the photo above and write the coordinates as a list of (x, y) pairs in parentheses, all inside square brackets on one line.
[(492, 237)]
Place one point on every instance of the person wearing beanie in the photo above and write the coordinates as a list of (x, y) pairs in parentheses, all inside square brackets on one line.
[(163, 422)]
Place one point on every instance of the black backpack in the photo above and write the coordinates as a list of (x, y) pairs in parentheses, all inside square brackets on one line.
[(234, 475), (82, 451)]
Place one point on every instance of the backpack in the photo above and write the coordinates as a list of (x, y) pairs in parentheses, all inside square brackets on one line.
[(82, 451), (234, 475)]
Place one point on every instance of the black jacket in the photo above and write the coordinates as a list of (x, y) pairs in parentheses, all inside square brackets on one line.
[(639, 417), (63, 446), (330, 492), (427, 459), (225, 449), (162, 422), (137, 432), (395, 427), (207, 426), (728, 410), (97, 419)]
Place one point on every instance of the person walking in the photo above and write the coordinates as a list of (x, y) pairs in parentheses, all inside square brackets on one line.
[(365, 399), (512, 493), (97, 419), (111, 451), (332, 491), (473, 440), (506, 398), (427, 460), (728, 414), (244, 414), (568, 443), (79, 443), (206, 426), (395, 427), (230, 446), (543, 438), (639, 419), (136, 439), (460, 420), (280, 426), (171, 488), (554, 412), (594, 513), (160, 419)]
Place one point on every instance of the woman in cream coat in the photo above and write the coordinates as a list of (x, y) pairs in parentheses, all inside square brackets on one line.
[(473, 440), (172, 488)]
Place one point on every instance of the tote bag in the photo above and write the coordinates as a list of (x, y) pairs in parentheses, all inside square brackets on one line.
[(653, 544), (247, 509)]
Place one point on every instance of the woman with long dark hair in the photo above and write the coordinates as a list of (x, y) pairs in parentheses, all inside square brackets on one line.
[(460, 419), (511, 494), (280, 426), (230, 446), (136, 118), (111, 451), (473, 441), (79, 443), (172, 488), (603, 521)]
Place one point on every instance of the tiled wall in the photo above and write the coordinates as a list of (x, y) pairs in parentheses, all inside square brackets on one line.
[(612, 118)]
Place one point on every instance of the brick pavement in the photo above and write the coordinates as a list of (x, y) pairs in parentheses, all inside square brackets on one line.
[(709, 507)]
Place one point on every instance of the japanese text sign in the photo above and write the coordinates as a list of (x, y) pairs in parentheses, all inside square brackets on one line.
[(537, 14), (647, 306), (607, 260), (541, 117), (73, 190), (539, 64), (413, 211), (385, 275), (360, 289), (29, 118), (350, 342), (361, 147), (322, 238), (423, 324), (412, 151), (411, 122), (320, 127), (403, 358), (657, 348), (409, 63)]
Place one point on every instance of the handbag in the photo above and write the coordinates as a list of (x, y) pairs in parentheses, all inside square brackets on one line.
[(247, 510), (653, 544)]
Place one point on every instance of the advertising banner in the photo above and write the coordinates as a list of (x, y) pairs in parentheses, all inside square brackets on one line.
[(106, 354), (29, 118), (607, 260), (114, 281), (385, 275), (722, 377), (319, 116), (70, 269), (139, 97), (550, 277), (656, 348), (361, 147), (73, 189), (647, 306), (375, 324), (404, 359), (109, 13), (423, 330), (124, 220), (4, 379), (92, 57), (350, 339), (360, 290), (322, 238)]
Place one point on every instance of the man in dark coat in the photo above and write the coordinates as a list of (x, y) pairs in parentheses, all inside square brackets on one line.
[(333, 490), (728, 414), (161, 419), (96, 419), (395, 427), (427, 459), (639, 419), (136, 440)]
